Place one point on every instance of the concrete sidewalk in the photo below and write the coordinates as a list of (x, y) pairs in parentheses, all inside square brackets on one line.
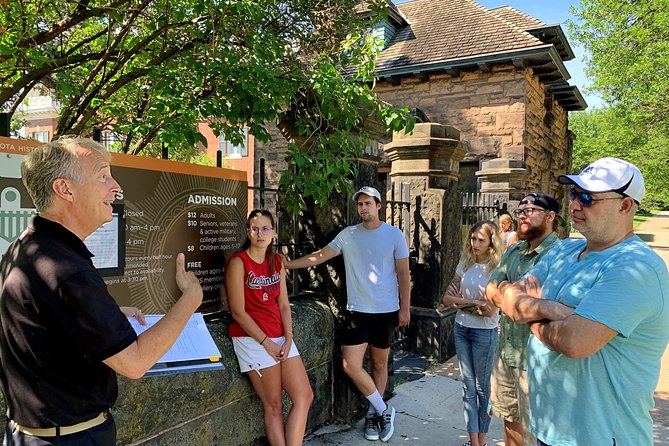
[(429, 410), (655, 232), (429, 402), (429, 413)]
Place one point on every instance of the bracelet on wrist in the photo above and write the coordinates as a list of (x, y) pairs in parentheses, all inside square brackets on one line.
[(263, 340)]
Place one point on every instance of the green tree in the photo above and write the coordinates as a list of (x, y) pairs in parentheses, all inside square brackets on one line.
[(628, 63), (609, 131), (152, 69), (628, 44)]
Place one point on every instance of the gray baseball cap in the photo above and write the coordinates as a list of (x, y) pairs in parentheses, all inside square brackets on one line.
[(367, 190)]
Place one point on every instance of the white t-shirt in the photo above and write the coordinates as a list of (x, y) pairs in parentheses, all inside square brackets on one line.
[(506, 236), (369, 259), (472, 286)]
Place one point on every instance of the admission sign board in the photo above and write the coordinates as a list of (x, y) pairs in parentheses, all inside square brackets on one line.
[(165, 208)]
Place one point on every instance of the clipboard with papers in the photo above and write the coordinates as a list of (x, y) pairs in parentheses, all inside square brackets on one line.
[(193, 351)]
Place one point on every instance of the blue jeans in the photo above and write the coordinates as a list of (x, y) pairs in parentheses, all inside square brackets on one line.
[(476, 350)]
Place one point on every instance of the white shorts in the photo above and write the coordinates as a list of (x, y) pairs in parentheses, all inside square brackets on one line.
[(253, 356)]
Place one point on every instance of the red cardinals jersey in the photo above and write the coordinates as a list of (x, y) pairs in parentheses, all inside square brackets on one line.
[(261, 295)]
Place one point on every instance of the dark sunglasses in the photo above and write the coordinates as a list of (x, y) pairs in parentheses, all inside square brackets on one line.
[(585, 199)]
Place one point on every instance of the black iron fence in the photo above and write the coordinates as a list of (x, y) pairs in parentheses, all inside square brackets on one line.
[(268, 198), (398, 214), (477, 207)]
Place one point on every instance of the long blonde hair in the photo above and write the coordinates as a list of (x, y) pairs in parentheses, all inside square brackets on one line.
[(506, 218), (490, 229)]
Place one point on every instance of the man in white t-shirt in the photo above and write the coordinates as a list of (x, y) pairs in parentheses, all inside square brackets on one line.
[(378, 287)]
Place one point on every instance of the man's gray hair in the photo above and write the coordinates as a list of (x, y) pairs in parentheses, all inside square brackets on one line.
[(47, 163)]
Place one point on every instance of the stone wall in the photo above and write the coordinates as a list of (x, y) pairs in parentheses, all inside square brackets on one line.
[(220, 407), (487, 108), (504, 113), (274, 153), (548, 150)]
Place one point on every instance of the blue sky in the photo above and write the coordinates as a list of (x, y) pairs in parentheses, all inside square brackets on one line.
[(552, 12)]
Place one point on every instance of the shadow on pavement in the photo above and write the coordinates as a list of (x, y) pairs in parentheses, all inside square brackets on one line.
[(648, 238), (660, 413)]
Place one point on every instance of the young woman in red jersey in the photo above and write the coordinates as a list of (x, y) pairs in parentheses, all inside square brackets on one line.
[(262, 333)]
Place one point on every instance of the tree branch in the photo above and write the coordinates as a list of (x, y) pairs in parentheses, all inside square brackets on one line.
[(120, 36), (146, 139), (86, 41), (83, 117), (7, 93), (22, 95), (81, 14)]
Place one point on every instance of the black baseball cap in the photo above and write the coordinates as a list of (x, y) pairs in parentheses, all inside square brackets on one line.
[(542, 200)]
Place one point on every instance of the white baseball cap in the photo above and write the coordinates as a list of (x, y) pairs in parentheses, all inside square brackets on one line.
[(609, 175), (367, 190)]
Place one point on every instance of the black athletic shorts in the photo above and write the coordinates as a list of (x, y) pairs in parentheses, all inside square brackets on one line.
[(375, 329)]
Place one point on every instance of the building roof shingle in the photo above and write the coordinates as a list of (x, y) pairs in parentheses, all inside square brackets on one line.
[(518, 18), (443, 30), (455, 34)]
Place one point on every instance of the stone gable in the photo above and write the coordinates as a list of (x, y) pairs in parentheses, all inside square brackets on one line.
[(489, 109)]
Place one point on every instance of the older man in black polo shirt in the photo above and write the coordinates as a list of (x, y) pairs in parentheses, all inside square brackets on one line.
[(62, 335)]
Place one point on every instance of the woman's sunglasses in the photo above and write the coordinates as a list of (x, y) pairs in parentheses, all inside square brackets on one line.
[(585, 199)]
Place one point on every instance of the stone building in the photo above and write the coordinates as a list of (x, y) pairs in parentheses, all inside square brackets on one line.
[(497, 76)]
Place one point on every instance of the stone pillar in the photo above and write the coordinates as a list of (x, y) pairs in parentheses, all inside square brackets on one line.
[(504, 178), (428, 160)]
